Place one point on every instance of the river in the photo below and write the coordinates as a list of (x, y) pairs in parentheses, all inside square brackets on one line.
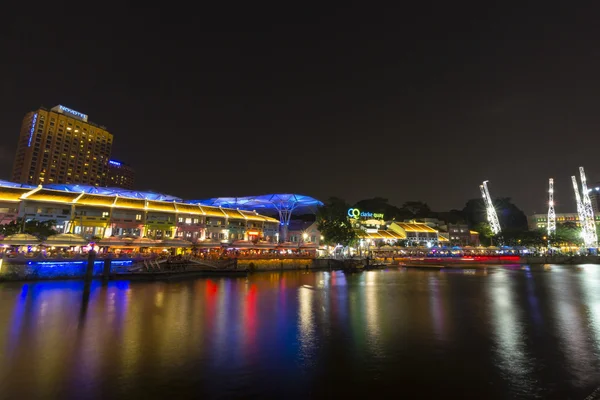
[(531, 332)]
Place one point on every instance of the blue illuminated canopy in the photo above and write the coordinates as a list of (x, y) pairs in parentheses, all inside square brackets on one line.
[(284, 204), (16, 185), (275, 202), (109, 191)]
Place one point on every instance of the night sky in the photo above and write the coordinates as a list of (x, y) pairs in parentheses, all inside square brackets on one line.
[(405, 103)]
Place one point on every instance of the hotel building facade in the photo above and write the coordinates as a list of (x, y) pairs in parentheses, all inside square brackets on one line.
[(120, 175), (540, 221), (60, 145)]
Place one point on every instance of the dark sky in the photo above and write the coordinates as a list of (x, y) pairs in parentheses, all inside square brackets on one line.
[(404, 103)]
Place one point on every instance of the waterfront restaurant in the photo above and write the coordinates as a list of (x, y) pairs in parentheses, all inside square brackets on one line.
[(416, 233), (375, 232), (99, 213)]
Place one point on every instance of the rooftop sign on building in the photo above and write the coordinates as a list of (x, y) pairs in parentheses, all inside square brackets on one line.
[(71, 113), (356, 214)]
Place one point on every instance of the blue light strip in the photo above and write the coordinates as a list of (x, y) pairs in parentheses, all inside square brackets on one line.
[(51, 264), (32, 129), (118, 164)]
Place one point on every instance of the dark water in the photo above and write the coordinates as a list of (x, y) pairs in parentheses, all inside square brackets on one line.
[(500, 333)]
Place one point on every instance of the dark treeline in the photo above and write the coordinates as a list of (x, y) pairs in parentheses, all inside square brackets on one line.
[(513, 220), (472, 214)]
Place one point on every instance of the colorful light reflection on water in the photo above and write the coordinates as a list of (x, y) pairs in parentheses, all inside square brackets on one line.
[(498, 333)]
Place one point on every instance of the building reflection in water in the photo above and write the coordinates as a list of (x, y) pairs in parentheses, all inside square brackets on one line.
[(371, 312), (573, 327), (238, 336), (590, 287), (509, 333), (533, 302), (306, 323), (340, 300), (15, 326), (249, 326), (435, 307)]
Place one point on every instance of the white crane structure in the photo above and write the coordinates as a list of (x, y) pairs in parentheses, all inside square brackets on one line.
[(489, 208), (580, 210), (551, 212), (588, 211)]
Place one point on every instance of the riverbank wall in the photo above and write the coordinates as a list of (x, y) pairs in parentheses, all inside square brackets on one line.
[(275, 264), (36, 272), (76, 269), (68, 269), (558, 259)]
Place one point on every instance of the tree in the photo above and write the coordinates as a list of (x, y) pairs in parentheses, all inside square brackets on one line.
[(40, 229), (567, 232), (537, 238), (379, 205), (402, 242), (509, 215), (416, 209), (485, 233), (333, 223), (11, 228), (475, 213), (450, 217)]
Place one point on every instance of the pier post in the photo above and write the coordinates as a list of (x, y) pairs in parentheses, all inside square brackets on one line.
[(106, 269), (89, 271)]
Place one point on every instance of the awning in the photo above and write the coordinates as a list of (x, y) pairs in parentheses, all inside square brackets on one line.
[(66, 240), (208, 244), (174, 243), (287, 245), (20, 239), (144, 242), (115, 241)]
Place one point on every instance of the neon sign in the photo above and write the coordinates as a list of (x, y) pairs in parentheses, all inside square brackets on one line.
[(73, 112), (356, 214), (33, 121), (118, 164)]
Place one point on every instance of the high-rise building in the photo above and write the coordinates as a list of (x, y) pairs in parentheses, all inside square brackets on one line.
[(120, 175), (60, 145)]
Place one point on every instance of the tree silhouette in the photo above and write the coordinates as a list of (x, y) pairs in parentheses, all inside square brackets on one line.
[(334, 224)]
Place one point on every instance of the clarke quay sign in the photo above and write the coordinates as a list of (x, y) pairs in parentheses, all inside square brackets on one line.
[(356, 214)]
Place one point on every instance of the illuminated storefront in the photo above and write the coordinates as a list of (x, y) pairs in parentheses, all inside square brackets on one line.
[(374, 231), (97, 213)]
